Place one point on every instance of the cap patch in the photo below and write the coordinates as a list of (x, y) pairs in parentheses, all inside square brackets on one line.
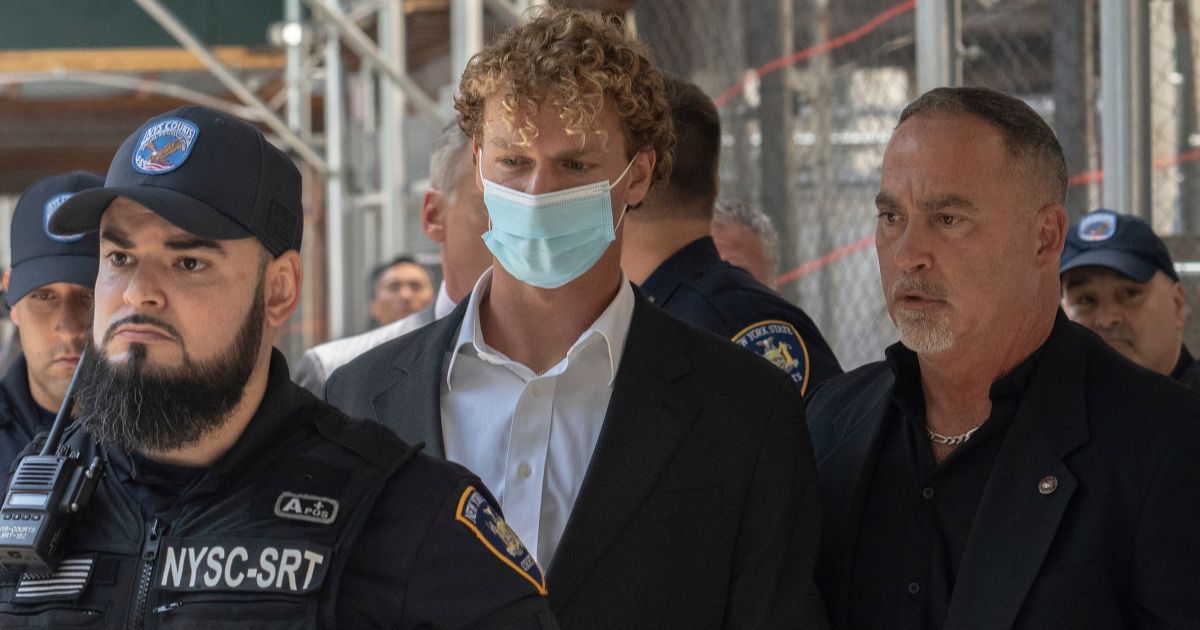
[(480, 517), (778, 342), (1098, 226), (164, 146), (51, 206)]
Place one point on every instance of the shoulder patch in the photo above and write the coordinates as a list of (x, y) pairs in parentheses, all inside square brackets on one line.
[(67, 582), (164, 146), (480, 517), (778, 342)]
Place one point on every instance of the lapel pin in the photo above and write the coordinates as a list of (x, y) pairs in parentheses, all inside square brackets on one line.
[(1048, 484)]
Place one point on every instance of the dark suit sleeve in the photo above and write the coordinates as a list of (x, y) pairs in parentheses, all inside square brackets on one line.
[(348, 388), (772, 585), (1166, 564), (416, 565)]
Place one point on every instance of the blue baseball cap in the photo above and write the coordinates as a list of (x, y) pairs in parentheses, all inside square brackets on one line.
[(40, 257), (204, 171), (1121, 242)]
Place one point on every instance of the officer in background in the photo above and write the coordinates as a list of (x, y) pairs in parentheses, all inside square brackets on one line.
[(670, 254), (746, 238), (233, 497), (49, 292), (1118, 279), (399, 288)]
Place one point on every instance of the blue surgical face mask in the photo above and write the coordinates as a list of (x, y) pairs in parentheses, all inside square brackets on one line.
[(550, 239)]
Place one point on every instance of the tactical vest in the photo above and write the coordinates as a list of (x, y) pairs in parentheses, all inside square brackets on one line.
[(266, 552)]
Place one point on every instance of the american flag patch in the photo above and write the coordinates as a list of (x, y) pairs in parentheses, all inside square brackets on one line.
[(66, 584)]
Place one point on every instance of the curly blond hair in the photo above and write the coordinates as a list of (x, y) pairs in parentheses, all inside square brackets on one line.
[(578, 59)]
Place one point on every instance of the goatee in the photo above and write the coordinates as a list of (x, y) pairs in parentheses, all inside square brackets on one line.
[(136, 406)]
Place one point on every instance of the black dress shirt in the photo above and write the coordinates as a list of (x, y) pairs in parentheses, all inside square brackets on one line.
[(1187, 369), (919, 513)]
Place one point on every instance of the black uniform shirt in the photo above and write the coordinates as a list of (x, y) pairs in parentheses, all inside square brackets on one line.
[(21, 418), (414, 563), (695, 285), (918, 514), (1187, 369)]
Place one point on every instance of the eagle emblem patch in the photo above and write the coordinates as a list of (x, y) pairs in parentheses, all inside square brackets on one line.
[(778, 342), (1098, 226), (51, 206), (164, 146), (480, 517)]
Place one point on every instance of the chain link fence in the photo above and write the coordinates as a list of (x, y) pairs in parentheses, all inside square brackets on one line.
[(809, 91)]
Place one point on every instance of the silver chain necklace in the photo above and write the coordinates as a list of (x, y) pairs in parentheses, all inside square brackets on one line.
[(949, 440)]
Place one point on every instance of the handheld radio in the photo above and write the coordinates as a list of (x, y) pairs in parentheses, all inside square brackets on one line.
[(46, 489)]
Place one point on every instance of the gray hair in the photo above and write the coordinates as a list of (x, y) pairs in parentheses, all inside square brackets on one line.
[(739, 212), (449, 161), (1028, 138)]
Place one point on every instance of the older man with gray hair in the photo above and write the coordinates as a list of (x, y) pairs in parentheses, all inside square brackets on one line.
[(1004, 468), (453, 216), (746, 238)]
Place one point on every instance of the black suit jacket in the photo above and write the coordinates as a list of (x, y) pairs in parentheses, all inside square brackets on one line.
[(699, 508), (1112, 546)]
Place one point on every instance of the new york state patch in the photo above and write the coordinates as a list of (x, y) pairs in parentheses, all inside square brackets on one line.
[(485, 521), (778, 342)]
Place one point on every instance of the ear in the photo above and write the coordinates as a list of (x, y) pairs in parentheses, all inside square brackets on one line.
[(433, 215), (14, 313), (1179, 302), (282, 281), (475, 158), (1052, 224), (640, 175)]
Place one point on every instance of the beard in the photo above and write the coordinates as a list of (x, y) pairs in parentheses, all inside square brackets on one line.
[(137, 407), (924, 331)]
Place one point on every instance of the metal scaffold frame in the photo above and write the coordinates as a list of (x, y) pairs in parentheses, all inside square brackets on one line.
[(317, 35)]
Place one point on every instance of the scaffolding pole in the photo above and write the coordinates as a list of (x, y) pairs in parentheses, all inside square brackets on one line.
[(939, 36), (393, 171), (1125, 103), (176, 29), (335, 187), (362, 45)]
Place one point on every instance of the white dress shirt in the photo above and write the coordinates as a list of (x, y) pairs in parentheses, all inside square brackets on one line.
[(530, 436)]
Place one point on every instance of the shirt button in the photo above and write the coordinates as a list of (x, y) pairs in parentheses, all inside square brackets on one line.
[(914, 588), (927, 493), (535, 390), (524, 470)]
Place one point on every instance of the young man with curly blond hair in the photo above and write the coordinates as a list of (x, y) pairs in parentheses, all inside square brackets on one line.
[(664, 477)]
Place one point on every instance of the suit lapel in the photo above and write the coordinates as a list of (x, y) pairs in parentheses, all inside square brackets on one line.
[(415, 385), (648, 415), (1018, 515)]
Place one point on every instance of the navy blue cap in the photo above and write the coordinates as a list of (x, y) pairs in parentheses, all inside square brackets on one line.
[(40, 257), (207, 173), (1121, 242)]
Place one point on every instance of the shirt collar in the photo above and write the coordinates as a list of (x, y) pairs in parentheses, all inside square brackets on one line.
[(908, 393), (612, 328), (443, 304)]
